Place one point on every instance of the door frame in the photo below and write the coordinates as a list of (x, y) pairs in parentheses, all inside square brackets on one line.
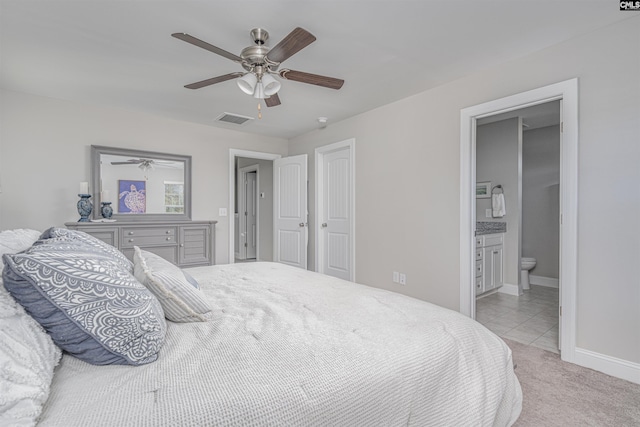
[(567, 91), (242, 172), (320, 152), (233, 153)]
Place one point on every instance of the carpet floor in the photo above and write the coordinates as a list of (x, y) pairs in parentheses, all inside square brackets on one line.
[(558, 393)]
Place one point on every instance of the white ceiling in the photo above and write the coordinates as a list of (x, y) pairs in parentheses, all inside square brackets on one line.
[(121, 53)]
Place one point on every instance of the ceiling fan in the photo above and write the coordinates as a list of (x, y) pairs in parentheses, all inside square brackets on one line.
[(146, 164), (262, 62)]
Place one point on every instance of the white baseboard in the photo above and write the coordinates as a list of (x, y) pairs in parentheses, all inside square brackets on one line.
[(613, 366), (549, 282), (509, 289)]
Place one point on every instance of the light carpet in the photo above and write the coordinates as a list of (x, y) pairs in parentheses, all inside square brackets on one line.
[(558, 393)]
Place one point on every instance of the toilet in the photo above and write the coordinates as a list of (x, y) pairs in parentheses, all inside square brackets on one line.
[(527, 264)]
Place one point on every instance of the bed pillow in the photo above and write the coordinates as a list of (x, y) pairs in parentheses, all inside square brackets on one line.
[(27, 358), (91, 244), (14, 241), (180, 300), (92, 307)]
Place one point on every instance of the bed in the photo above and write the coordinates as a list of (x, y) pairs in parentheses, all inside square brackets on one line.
[(285, 346)]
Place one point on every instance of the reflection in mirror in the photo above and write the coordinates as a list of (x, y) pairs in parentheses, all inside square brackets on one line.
[(141, 185)]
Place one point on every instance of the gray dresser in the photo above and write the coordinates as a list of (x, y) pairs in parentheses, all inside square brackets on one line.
[(184, 243)]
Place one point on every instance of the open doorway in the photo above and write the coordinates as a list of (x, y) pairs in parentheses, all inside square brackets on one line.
[(567, 91), (262, 164), (247, 216), (517, 224)]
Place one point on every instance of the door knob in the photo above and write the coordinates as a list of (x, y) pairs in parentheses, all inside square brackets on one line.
[(301, 224), (324, 225)]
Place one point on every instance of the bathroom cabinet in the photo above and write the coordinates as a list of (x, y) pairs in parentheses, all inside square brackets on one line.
[(489, 262), (184, 243)]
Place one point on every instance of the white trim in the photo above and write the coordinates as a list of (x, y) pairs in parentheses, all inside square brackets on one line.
[(349, 144), (241, 207), (233, 153), (509, 289), (549, 282), (613, 366), (568, 92)]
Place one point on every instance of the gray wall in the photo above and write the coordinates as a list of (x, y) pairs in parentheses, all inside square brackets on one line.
[(408, 181), (498, 160), (265, 239), (541, 199), (45, 146)]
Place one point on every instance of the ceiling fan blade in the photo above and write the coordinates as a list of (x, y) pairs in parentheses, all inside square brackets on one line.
[(272, 101), (314, 79), (204, 45), (128, 162), (214, 80), (295, 41)]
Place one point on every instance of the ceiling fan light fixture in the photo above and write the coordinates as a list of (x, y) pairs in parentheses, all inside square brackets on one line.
[(259, 92), (247, 83), (271, 86)]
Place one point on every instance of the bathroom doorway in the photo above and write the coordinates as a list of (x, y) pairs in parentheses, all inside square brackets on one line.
[(567, 93), (518, 152)]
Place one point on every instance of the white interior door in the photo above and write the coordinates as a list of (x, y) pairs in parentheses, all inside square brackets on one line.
[(335, 220), (290, 228), (251, 214)]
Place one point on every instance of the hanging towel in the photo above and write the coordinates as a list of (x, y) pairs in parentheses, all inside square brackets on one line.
[(497, 203)]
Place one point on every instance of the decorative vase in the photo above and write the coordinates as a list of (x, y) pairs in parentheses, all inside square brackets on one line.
[(106, 210), (85, 207)]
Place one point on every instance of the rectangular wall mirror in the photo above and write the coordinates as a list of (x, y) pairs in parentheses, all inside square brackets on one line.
[(141, 185)]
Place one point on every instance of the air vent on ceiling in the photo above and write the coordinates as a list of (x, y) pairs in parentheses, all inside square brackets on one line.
[(235, 119)]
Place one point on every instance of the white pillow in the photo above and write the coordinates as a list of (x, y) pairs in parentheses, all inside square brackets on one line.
[(14, 241), (180, 300), (27, 359)]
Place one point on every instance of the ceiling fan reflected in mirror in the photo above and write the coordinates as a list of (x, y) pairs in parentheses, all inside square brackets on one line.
[(261, 64), (147, 164)]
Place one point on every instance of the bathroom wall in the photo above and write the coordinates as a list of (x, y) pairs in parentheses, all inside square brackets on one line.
[(540, 200), (498, 160)]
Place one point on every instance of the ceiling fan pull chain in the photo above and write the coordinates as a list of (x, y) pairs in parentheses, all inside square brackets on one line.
[(259, 110)]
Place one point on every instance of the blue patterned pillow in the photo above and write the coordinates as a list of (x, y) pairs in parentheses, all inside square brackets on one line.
[(90, 244), (92, 307)]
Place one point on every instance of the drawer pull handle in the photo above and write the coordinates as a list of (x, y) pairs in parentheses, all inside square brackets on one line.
[(131, 233), (168, 239), (130, 240), (168, 231), (182, 245)]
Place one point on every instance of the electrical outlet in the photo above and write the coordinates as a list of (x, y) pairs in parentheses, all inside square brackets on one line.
[(403, 279), (488, 213), (396, 277), (222, 212)]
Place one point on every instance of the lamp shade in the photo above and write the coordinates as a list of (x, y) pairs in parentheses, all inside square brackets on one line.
[(247, 83), (259, 92), (271, 85)]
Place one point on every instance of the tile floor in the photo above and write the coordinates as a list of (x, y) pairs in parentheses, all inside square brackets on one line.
[(530, 319)]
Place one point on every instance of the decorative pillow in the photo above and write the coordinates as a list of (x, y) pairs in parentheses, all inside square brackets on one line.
[(92, 307), (191, 280), (27, 358), (14, 241), (180, 301), (92, 243)]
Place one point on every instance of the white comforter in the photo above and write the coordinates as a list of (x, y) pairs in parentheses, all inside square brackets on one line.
[(292, 347)]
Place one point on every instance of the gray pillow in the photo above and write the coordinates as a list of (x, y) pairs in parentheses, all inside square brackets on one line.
[(180, 300), (91, 243), (90, 305)]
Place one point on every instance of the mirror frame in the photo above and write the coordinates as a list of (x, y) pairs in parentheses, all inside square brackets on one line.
[(98, 150)]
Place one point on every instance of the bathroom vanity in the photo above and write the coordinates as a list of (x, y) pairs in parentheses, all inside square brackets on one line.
[(489, 256)]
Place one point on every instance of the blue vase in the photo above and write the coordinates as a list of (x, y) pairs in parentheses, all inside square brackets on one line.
[(106, 210), (85, 207)]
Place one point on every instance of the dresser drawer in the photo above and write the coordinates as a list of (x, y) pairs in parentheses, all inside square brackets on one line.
[(148, 236)]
